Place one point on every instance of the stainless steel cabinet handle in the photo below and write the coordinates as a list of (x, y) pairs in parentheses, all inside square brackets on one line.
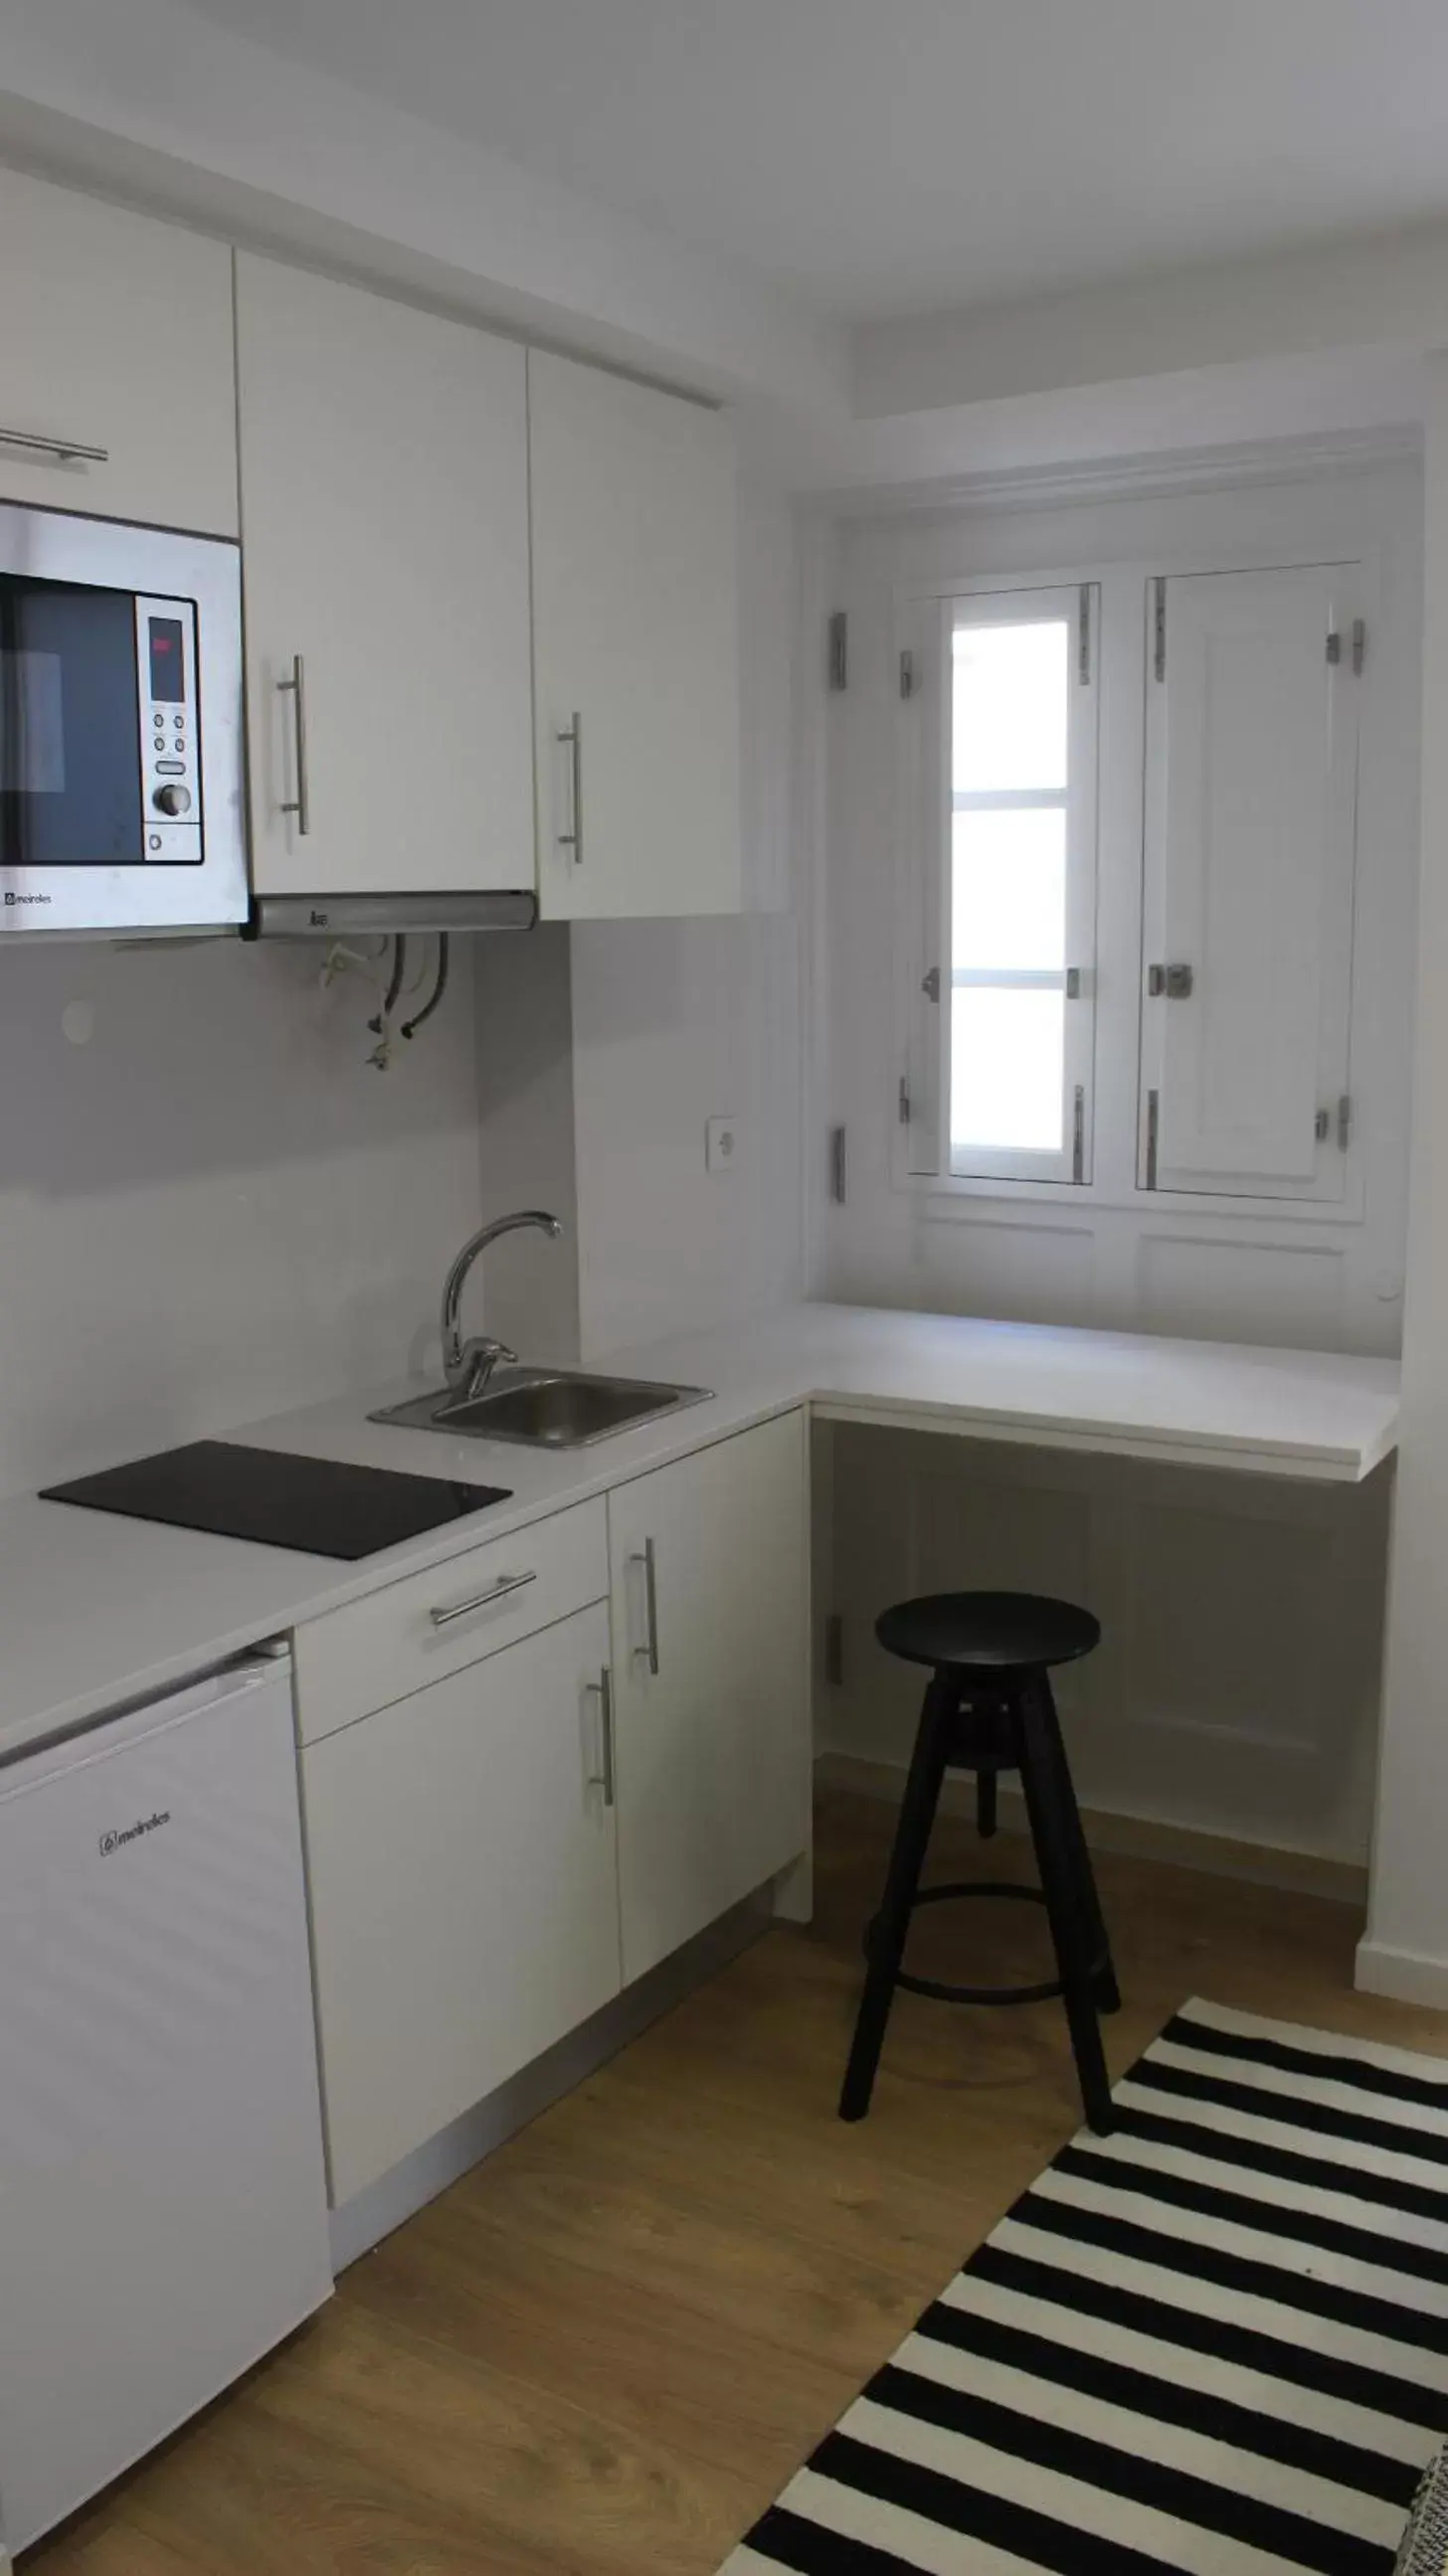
[(480, 1600), (573, 735), (646, 1559), (606, 1779), (301, 803), (69, 451)]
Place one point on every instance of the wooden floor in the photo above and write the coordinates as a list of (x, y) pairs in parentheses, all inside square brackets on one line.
[(609, 2346)]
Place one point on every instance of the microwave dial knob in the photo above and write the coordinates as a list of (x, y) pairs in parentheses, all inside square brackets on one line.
[(172, 800)]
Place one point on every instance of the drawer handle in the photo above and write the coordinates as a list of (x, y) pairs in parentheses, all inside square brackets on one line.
[(498, 1591), (66, 451)]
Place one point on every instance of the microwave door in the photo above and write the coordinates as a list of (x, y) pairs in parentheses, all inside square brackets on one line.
[(70, 768)]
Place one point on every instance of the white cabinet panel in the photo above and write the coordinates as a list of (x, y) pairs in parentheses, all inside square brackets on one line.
[(385, 514), (396, 1640), (1250, 831), (92, 300), (635, 604), (710, 1573), (461, 1855)]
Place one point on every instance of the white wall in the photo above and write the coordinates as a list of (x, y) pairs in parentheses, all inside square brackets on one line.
[(149, 97), (676, 1022), (1385, 291), (527, 1289), (213, 1208), (1237, 1689), (1406, 1951)]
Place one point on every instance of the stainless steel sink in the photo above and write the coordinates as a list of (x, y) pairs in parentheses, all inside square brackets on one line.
[(544, 1408)]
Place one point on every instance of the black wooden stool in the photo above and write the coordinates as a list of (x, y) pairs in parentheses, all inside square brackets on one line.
[(988, 1708)]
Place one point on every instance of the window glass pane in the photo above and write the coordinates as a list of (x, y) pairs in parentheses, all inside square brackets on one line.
[(1008, 902), (1007, 1070), (1009, 706)]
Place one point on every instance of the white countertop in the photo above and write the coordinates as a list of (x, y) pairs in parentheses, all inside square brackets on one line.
[(96, 1610)]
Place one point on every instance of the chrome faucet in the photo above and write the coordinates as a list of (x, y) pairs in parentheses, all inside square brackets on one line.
[(468, 1366)]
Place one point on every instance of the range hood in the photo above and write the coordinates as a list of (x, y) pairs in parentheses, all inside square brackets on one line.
[(334, 916)]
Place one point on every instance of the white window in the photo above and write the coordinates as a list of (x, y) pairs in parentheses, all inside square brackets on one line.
[(1251, 788), (1008, 736)]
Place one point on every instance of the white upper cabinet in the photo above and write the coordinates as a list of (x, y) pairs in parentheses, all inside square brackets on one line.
[(710, 1580), (635, 608), (384, 477), (1251, 785), (115, 335)]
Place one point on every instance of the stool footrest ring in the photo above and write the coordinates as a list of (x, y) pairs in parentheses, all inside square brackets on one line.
[(979, 1994), (1049, 1992)]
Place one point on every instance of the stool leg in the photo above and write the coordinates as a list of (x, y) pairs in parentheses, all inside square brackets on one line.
[(1060, 1883), (1108, 1992), (892, 1924), (985, 1804)]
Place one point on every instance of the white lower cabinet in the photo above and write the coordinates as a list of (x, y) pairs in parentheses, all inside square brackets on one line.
[(709, 1568), (462, 1856), (494, 1855)]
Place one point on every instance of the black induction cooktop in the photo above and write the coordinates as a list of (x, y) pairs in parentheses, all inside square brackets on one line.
[(316, 1504)]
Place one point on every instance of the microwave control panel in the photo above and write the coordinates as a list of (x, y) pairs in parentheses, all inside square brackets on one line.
[(169, 712)]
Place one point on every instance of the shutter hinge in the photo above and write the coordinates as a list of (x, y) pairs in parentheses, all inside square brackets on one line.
[(839, 650), (832, 1658), (1359, 644), (1083, 636), (1159, 621), (1172, 983), (902, 1100), (907, 675), (1153, 1127), (1334, 648), (837, 1165), (930, 984), (1344, 1121), (1321, 1124), (1078, 1136)]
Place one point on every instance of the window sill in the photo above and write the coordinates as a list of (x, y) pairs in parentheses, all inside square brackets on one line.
[(959, 1200)]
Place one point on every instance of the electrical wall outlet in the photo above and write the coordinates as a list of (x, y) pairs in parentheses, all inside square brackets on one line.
[(723, 1144)]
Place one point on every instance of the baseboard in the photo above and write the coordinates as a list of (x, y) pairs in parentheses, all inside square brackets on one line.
[(1403, 1974), (443, 2160), (1142, 1837)]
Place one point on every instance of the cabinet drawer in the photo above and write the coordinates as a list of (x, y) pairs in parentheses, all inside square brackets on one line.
[(429, 1625)]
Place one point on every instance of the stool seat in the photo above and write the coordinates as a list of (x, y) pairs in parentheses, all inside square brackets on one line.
[(988, 1631)]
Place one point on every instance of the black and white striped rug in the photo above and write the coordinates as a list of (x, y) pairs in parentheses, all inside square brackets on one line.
[(1215, 2341)]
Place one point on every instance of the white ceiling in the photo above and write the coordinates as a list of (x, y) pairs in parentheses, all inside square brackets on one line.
[(887, 156)]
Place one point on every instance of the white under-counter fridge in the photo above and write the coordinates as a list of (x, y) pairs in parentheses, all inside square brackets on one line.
[(163, 2207)]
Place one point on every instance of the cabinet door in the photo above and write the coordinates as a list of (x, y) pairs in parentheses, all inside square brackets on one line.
[(1251, 789), (461, 1858), (385, 516), (710, 1621), (91, 298), (635, 586)]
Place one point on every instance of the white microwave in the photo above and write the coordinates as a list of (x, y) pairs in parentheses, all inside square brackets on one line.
[(121, 795)]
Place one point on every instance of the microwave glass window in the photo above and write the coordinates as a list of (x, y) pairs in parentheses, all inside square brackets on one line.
[(70, 771), (32, 747)]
